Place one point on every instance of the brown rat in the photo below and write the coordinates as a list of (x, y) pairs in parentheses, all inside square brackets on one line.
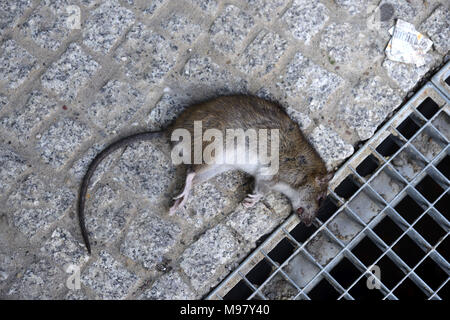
[(299, 166)]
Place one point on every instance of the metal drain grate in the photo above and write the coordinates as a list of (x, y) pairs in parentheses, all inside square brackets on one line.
[(386, 216)]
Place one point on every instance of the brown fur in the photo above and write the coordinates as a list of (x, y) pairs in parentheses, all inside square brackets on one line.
[(299, 162)]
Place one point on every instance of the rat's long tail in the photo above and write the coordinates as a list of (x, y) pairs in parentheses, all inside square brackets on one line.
[(94, 164)]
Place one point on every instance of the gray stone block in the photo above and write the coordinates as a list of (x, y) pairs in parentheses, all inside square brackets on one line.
[(371, 101), (38, 203), (230, 29), (149, 238), (172, 54), (166, 110), (80, 166), (90, 3), (11, 166), (59, 142), (209, 6), (253, 223), (169, 287), (105, 25), (202, 260), (346, 44), (408, 75), (70, 72), (300, 118), (205, 202), (147, 7), (303, 78), (36, 190), (231, 181), (146, 55), (269, 10), (108, 278), (179, 27), (107, 212), (355, 7), (48, 25), (147, 170), (25, 119), (64, 249), (206, 78), (76, 295), (330, 146), (9, 265), (278, 204), (306, 18), (41, 281), (11, 13), (336, 40), (437, 28), (261, 56), (114, 105), (16, 64)]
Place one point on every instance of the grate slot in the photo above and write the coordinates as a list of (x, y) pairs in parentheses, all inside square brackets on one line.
[(389, 146), (428, 108), (323, 291), (347, 188), (368, 166), (429, 188), (409, 127), (444, 166), (239, 292)]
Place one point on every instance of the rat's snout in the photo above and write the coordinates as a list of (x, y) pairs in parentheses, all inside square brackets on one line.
[(305, 217)]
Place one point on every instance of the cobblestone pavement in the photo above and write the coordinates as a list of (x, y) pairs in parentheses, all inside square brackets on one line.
[(76, 74)]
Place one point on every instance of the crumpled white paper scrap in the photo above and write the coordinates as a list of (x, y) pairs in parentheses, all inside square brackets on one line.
[(407, 45)]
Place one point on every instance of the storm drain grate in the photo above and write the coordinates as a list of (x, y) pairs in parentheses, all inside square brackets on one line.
[(382, 232)]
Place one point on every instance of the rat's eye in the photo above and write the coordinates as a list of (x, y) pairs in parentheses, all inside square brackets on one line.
[(300, 211)]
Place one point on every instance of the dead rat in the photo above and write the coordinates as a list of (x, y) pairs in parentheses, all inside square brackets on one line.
[(299, 165)]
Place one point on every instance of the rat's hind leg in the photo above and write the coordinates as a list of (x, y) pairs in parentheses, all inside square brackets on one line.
[(180, 200), (187, 186), (252, 199), (261, 188), (200, 174)]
